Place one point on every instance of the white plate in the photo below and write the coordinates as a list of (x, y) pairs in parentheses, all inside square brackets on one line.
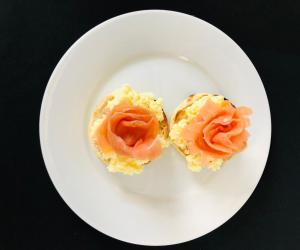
[(172, 55)]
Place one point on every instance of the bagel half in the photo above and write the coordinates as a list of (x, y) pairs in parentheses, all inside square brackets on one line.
[(116, 162)]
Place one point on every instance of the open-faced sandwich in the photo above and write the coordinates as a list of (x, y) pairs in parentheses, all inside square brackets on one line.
[(128, 130), (208, 129)]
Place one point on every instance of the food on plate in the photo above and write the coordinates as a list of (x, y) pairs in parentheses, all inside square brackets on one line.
[(208, 130), (128, 130)]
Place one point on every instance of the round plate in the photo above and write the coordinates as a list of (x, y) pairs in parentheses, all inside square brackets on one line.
[(171, 55)]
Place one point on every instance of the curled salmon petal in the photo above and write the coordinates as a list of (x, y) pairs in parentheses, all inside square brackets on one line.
[(243, 111), (101, 137), (149, 149)]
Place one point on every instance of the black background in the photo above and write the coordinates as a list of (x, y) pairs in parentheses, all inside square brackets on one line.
[(33, 37)]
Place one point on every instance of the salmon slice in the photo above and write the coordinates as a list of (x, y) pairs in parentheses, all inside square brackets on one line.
[(130, 131), (217, 131)]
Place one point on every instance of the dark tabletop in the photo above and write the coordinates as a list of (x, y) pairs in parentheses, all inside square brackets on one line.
[(33, 37)]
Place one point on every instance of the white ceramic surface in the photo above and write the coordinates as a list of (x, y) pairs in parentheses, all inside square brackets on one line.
[(172, 55)]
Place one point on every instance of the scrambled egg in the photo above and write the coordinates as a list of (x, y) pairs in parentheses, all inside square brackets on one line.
[(194, 161), (145, 100), (124, 164)]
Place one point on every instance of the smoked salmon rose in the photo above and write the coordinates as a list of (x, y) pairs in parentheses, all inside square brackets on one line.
[(208, 129), (130, 131), (218, 130)]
